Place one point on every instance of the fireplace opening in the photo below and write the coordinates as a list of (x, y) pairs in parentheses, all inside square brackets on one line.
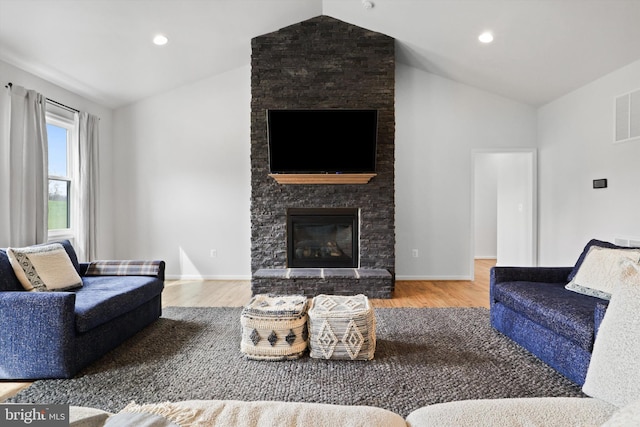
[(322, 238)]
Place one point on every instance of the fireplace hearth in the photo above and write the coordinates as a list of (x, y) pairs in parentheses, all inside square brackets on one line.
[(322, 238)]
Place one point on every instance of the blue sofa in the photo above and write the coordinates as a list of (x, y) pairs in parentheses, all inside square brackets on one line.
[(56, 334), (531, 306)]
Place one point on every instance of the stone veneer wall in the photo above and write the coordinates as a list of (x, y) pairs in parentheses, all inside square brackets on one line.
[(322, 63)]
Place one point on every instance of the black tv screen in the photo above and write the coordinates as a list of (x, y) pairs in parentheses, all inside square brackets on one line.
[(322, 141)]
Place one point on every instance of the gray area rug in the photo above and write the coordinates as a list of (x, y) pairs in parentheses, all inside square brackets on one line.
[(423, 356)]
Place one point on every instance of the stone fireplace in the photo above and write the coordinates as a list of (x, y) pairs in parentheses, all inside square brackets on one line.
[(323, 63), (322, 238)]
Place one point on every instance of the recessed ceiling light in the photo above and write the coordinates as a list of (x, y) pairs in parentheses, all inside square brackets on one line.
[(367, 4), (486, 37), (160, 40)]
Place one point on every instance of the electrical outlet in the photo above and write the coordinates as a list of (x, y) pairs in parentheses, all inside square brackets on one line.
[(414, 253), (213, 253)]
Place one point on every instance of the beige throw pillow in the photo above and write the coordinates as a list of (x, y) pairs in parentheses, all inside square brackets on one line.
[(614, 371), (600, 271), (44, 268)]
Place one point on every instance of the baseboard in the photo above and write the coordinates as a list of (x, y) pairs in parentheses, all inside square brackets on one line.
[(433, 278), (487, 257), (207, 277)]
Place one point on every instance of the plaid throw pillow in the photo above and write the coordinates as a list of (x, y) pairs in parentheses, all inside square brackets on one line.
[(123, 268)]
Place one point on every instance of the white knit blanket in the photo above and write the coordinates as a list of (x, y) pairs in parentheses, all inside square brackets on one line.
[(230, 413)]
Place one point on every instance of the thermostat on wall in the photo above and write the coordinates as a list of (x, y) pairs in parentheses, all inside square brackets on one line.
[(599, 183)]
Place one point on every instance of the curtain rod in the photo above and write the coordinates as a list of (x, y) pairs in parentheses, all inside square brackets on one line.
[(59, 104)]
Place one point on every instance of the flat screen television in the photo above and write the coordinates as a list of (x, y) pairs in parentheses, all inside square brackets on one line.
[(327, 141)]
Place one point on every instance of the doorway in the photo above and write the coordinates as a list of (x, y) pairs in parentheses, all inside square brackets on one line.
[(504, 207)]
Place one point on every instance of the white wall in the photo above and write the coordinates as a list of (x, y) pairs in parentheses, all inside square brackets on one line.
[(485, 222), (504, 206), (438, 124), (183, 178), (575, 141), (516, 209), (9, 73)]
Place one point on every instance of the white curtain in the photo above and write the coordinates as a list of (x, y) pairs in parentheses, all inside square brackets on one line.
[(5, 118), (23, 169), (88, 183)]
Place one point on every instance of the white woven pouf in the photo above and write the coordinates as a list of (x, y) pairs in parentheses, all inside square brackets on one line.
[(274, 327), (342, 327)]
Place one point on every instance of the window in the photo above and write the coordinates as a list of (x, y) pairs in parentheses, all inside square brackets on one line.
[(61, 130)]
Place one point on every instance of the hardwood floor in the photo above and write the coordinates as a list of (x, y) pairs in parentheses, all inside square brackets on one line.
[(415, 293), (442, 293), (206, 293), (237, 293)]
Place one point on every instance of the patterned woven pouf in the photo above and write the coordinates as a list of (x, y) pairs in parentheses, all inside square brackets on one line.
[(342, 327), (274, 327)]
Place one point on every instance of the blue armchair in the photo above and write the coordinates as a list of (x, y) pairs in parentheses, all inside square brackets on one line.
[(532, 306)]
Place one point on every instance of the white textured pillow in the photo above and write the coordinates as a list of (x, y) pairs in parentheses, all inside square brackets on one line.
[(625, 417), (614, 371), (44, 268), (600, 271)]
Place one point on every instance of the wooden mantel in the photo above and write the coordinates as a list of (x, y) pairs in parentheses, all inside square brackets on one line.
[(314, 178)]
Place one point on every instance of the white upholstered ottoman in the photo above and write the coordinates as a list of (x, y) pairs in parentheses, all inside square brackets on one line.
[(342, 327), (274, 327)]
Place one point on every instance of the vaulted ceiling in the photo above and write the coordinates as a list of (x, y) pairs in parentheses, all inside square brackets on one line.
[(102, 49)]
